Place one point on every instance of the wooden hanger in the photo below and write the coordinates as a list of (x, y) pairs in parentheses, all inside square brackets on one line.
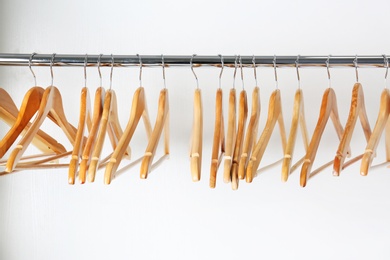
[(274, 115), (328, 109), (251, 133), (162, 122), (230, 136), (20, 122), (138, 109), (197, 137), (298, 119), (242, 116), (51, 103), (357, 110), (84, 119), (218, 140), (382, 122)]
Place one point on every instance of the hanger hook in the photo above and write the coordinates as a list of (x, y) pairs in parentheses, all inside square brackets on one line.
[(85, 69), (222, 66), (386, 65), (112, 69), (29, 65), (98, 64), (297, 67), (51, 67), (140, 69), (328, 70), (254, 68), (235, 71), (242, 75), (355, 61), (163, 69), (192, 68), (276, 74)]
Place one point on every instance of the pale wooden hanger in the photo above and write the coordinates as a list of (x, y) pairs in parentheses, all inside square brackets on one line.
[(251, 133), (382, 122), (20, 122), (138, 110), (298, 119), (162, 122), (230, 138), (357, 110), (84, 119), (328, 109)]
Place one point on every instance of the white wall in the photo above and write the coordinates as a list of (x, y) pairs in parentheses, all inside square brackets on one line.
[(167, 216)]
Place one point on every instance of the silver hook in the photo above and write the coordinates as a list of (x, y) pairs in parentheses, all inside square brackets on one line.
[(163, 68), (242, 75), (254, 68), (112, 69), (298, 76), (85, 69), (386, 65), (356, 68), (276, 74), (140, 70), (29, 65), (222, 66), (51, 68), (328, 71), (192, 68), (98, 65), (235, 71)]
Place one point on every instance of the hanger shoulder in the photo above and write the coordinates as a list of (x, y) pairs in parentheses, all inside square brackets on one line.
[(381, 122), (197, 137), (230, 136), (242, 116), (218, 140), (251, 133), (162, 115)]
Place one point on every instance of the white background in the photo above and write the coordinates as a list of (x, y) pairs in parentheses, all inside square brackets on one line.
[(168, 216)]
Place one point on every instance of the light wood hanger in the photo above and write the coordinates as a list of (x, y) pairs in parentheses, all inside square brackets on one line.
[(20, 122), (51, 103), (274, 115), (219, 139), (298, 119), (328, 109), (382, 122), (84, 119), (197, 137), (242, 116), (251, 133), (162, 122), (138, 110), (357, 110), (230, 138)]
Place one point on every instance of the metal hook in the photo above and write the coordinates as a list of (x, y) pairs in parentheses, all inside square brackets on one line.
[(298, 76), (356, 68), (235, 71), (98, 66), (112, 69), (242, 75), (192, 68), (140, 70), (163, 68), (222, 66), (85, 69), (29, 65), (254, 68), (386, 65), (276, 74), (51, 67), (328, 71)]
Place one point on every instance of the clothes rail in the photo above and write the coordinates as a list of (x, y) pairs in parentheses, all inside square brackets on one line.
[(65, 60)]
